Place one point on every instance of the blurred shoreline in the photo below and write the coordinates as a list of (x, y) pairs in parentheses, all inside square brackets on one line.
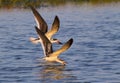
[(51, 3)]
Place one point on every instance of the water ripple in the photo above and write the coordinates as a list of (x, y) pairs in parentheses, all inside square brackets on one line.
[(93, 57)]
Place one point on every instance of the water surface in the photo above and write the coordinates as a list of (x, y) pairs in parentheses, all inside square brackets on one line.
[(94, 56)]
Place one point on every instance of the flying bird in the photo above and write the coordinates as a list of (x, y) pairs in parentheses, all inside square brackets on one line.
[(51, 55), (42, 25)]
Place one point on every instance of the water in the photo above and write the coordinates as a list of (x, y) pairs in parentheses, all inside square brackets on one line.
[(94, 56)]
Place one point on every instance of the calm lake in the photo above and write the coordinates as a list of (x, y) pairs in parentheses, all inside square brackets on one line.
[(94, 56)]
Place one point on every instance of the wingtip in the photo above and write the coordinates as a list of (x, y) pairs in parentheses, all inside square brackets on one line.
[(39, 32), (31, 7), (36, 28), (57, 18), (56, 22), (69, 43), (33, 10), (71, 40)]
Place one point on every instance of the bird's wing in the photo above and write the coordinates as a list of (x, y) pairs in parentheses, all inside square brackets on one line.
[(46, 44), (54, 28), (41, 24), (62, 49)]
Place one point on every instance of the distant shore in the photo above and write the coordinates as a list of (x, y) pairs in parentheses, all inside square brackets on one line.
[(46, 3)]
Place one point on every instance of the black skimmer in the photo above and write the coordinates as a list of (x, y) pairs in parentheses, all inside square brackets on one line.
[(42, 25), (51, 55)]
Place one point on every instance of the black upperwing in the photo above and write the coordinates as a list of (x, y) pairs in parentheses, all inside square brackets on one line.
[(41, 24), (47, 46)]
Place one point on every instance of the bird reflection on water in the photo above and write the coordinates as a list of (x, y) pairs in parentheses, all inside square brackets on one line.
[(53, 71)]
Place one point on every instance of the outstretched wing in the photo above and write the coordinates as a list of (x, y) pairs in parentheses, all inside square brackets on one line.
[(41, 24), (54, 28), (62, 49), (46, 44)]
